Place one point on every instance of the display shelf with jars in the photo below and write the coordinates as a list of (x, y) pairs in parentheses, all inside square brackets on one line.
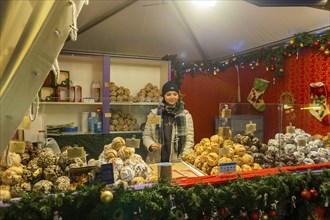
[(124, 84)]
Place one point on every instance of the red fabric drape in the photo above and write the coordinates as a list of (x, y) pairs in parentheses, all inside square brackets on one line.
[(204, 92)]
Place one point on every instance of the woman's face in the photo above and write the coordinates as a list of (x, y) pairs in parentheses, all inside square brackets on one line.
[(171, 98)]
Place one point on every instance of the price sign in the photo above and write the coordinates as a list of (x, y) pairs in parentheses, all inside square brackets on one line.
[(226, 113), (251, 127), (223, 151), (227, 167), (106, 84), (223, 131), (17, 146), (107, 115), (76, 152), (107, 175), (132, 142), (290, 129), (154, 119), (301, 142)]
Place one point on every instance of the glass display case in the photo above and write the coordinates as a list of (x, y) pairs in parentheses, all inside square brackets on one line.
[(280, 135)]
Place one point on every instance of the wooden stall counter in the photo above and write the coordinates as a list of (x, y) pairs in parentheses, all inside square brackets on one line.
[(178, 170)]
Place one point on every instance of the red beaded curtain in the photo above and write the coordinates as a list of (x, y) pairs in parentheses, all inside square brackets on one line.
[(204, 92)]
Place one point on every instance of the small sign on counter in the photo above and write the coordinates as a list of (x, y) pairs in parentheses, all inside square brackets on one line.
[(290, 129), (76, 152), (132, 142), (227, 167), (107, 175), (17, 146)]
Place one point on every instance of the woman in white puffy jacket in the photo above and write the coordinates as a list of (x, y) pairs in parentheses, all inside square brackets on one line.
[(170, 132)]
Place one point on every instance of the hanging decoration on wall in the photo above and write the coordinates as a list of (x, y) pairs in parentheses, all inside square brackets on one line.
[(287, 98), (256, 94), (319, 106), (273, 57)]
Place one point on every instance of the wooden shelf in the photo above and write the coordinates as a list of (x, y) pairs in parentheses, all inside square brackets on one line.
[(71, 103), (125, 132), (135, 103)]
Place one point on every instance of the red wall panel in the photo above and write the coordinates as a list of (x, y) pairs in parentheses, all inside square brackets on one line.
[(204, 91)]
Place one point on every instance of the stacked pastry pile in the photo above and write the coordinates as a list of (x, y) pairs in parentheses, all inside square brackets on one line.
[(121, 121), (129, 168), (37, 170), (287, 150), (210, 152), (119, 93), (150, 93), (250, 154)]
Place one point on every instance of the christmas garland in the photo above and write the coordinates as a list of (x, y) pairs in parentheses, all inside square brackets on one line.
[(290, 196), (273, 57)]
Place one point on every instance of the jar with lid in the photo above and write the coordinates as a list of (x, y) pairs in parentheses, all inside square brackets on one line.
[(41, 139)]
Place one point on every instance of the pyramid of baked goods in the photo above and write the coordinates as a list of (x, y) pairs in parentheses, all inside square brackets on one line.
[(129, 168), (121, 121), (150, 93), (35, 170), (119, 93), (287, 150), (250, 153), (210, 152)]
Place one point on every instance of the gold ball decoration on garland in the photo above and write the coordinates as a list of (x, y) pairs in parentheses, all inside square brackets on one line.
[(106, 196)]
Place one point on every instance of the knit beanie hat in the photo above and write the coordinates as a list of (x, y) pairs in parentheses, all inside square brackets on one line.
[(170, 86)]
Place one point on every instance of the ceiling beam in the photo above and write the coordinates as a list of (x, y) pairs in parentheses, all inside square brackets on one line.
[(191, 33), (105, 16), (323, 7)]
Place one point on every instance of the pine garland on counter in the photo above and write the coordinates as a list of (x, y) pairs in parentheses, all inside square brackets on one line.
[(287, 195)]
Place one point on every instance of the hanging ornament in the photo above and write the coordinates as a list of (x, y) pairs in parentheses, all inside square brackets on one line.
[(316, 43), (224, 212), (314, 193), (272, 68), (254, 215), (285, 53), (306, 194), (294, 200), (326, 52), (206, 217), (266, 194), (137, 214), (272, 213), (326, 204), (291, 42), (106, 196), (118, 214), (243, 214), (322, 48), (257, 63), (267, 68), (264, 216), (301, 45)]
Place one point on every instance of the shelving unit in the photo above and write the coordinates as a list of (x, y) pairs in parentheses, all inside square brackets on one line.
[(130, 73)]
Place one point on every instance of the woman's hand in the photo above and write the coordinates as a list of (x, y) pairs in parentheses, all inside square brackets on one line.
[(155, 147)]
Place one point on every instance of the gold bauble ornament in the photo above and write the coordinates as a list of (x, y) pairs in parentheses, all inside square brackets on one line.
[(106, 196), (264, 217)]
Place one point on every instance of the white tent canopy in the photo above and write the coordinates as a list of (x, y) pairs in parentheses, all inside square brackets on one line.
[(193, 32)]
